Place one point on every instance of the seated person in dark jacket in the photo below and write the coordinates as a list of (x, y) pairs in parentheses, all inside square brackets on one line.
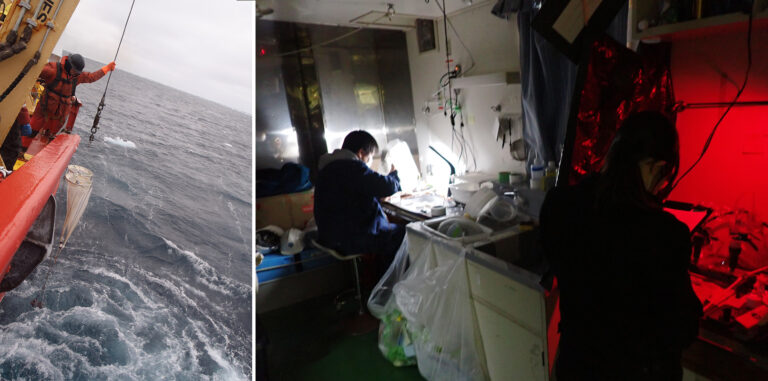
[(347, 210), (12, 147), (621, 262)]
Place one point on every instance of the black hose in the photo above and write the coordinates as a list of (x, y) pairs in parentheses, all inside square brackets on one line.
[(32, 62)]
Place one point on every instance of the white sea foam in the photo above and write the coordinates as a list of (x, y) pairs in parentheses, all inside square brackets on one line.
[(227, 371), (175, 290), (207, 274), (29, 353), (18, 346), (21, 346), (120, 142), (109, 274), (237, 220), (113, 310), (199, 294), (69, 336)]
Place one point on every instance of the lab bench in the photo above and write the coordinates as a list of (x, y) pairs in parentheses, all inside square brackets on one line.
[(516, 319), (717, 355), (515, 315)]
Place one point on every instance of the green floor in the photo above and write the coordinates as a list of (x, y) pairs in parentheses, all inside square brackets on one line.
[(307, 341)]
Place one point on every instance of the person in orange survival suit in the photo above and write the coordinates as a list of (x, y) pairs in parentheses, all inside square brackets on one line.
[(61, 79)]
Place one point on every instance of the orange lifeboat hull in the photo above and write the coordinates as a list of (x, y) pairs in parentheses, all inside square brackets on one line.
[(25, 192)]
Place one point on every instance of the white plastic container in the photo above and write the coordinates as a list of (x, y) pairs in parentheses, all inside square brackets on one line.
[(498, 214), (537, 169), (478, 201), (462, 192), (472, 230), (537, 174)]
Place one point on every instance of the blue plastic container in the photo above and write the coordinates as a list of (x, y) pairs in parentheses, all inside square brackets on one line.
[(275, 266)]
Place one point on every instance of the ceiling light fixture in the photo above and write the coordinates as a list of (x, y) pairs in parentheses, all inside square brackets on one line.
[(390, 11)]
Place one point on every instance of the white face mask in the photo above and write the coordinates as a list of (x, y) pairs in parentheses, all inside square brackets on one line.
[(652, 173), (367, 159)]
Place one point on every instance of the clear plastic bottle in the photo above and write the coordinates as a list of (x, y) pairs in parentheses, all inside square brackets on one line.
[(550, 174)]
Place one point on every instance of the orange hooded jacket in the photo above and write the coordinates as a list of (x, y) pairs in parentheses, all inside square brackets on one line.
[(56, 100)]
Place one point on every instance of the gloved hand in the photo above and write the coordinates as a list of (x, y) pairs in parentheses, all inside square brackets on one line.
[(26, 130), (108, 67)]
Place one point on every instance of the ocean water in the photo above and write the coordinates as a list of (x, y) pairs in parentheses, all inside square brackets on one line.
[(155, 282)]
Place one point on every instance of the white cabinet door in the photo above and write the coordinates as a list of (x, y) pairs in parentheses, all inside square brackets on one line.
[(512, 324), (520, 303), (511, 351)]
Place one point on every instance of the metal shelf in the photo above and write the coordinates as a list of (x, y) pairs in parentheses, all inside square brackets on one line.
[(702, 27)]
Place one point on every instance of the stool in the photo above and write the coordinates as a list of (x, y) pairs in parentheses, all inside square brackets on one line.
[(355, 258)]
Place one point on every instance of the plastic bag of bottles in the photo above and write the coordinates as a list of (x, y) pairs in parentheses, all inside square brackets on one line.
[(395, 341), (434, 299)]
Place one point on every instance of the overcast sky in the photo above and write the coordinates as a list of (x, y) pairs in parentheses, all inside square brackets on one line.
[(200, 47)]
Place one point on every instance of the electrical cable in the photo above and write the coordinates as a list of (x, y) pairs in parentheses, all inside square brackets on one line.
[(448, 63), (686, 106), (465, 151), (443, 77), (458, 37), (461, 144), (470, 150), (452, 102), (313, 46), (735, 99)]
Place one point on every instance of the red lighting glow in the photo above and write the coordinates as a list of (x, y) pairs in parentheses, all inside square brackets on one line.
[(262, 52), (732, 174), (637, 83)]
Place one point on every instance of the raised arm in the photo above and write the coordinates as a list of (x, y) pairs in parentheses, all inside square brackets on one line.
[(378, 185), (96, 75)]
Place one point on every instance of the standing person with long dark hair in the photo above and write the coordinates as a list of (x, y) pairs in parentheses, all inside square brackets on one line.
[(621, 262)]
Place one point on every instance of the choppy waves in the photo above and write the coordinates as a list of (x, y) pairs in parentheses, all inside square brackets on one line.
[(154, 283), (120, 323)]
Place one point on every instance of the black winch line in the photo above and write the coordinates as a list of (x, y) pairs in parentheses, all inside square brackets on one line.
[(38, 301), (97, 118)]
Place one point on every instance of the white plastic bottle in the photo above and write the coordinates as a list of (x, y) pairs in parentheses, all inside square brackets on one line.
[(537, 174)]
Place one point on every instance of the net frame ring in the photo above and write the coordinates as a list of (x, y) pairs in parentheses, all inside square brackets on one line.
[(78, 175)]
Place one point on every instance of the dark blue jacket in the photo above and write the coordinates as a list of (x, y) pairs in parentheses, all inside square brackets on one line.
[(347, 199)]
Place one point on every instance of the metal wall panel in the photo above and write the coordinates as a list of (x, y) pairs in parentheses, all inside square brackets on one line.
[(349, 83), (276, 141), (395, 85), (365, 84), (360, 81)]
